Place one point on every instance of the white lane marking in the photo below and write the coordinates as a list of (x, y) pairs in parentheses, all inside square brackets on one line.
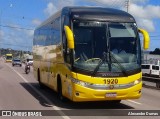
[(134, 102), (44, 97)]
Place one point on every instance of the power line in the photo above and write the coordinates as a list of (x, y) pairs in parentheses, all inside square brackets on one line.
[(155, 36), (14, 27)]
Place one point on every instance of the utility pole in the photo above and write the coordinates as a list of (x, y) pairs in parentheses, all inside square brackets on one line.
[(127, 3)]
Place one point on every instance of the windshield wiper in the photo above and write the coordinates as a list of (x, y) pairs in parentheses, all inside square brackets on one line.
[(121, 67), (104, 60)]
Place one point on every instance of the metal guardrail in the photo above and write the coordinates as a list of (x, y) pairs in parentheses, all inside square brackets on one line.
[(152, 80)]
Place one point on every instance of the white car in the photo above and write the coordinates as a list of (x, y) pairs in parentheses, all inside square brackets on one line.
[(155, 70), (146, 69), (16, 62)]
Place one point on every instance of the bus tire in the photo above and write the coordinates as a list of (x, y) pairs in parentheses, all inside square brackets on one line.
[(39, 79), (59, 89)]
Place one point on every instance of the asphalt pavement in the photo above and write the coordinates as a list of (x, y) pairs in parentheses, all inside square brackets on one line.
[(20, 91)]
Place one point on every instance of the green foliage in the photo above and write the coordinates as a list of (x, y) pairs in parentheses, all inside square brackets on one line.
[(156, 51)]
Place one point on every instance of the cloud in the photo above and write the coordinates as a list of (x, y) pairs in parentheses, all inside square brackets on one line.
[(115, 3), (146, 24), (153, 11), (54, 5), (1, 33), (36, 22), (146, 12), (109, 3), (51, 9), (29, 33), (16, 27), (63, 3), (139, 1), (145, 15), (16, 38)]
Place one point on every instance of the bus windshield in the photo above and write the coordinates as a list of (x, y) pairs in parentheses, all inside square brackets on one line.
[(9, 57), (118, 40)]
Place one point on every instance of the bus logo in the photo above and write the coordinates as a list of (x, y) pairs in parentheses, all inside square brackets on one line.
[(111, 86)]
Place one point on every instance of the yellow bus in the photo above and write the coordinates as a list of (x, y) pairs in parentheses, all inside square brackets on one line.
[(9, 57), (90, 54)]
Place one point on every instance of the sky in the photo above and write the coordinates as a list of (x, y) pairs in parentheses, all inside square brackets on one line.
[(19, 18)]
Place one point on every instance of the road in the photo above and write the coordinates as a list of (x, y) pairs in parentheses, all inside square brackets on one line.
[(20, 91)]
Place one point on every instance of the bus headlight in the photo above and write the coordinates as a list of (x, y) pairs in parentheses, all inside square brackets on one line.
[(82, 83), (137, 81)]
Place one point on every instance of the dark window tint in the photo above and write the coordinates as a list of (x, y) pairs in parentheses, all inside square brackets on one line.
[(145, 66), (9, 57), (155, 67), (48, 34), (17, 60)]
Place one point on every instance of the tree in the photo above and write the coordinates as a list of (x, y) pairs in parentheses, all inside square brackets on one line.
[(156, 51)]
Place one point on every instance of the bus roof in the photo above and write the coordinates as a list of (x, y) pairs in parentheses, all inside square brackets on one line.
[(99, 13), (93, 14)]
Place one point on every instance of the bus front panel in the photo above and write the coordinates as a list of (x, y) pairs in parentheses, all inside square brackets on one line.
[(86, 88)]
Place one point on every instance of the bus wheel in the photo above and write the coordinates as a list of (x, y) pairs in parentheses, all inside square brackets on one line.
[(59, 84), (39, 79)]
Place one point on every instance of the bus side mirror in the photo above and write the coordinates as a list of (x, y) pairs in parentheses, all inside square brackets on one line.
[(146, 39), (69, 36)]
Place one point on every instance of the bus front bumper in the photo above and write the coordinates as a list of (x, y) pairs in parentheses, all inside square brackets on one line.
[(81, 93)]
